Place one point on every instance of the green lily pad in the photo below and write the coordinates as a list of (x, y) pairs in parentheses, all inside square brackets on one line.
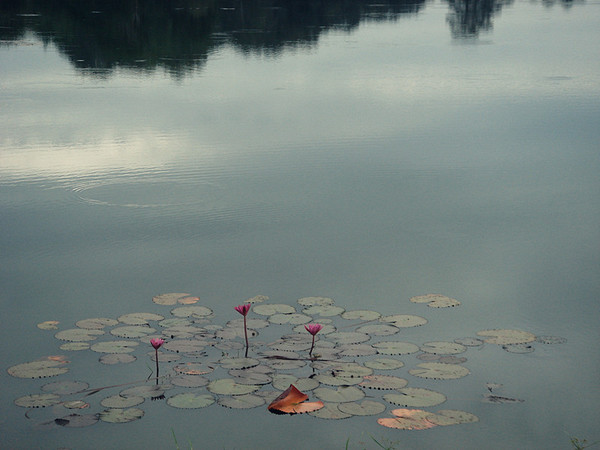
[(132, 331), (292, 319), (330, 379), (378, 329), (518, 348), (251, 322), (361, 314), (190, 400), (249, 376), (445, 417), (383, 382), (37, 400), (282, 364), (76, 404), (117, 358), (96, 323), (78, 335), (505, 337), (146, 391), (193, 369), (238, 363), (270, 309), (115, 346), (189, 381), (353, 350), (120, 402), (77, 420), (436, 301), (323, 310), (245, 401), (257, 299), (116, 415), (192, 311), (330, 411), (174, 322), (384, 364), (48, 325), (451, 359), (43, 368), (139, 318), (404, 320), (74, 346), (415, 397), (407, 419), (396, 348), (65, 387), (315, 301), (170, 298), (443, 348), (439, 371), (469, 341), (364, 408), (227, 386), (282, 382), (339, 395), (348, 337), (185, 346), (230, 333)]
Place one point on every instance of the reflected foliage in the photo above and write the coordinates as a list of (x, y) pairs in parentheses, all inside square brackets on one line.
[(467, 18)]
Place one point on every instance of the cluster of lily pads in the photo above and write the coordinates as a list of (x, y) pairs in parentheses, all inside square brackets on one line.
[(275, 356)]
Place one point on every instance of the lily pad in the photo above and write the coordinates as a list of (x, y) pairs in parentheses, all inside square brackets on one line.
[(330, 411), (404, 320), (192, 311), (48, 325), (443, 348), (415, 397), (96, 323), (150, 391), (395, 348), (364, 408), (378, 329), (65, 387), (348, 337), (76, 404), (469, 341), (139, 318), (361, 314), (339, 395), (116, 415), (446, 417), (185, 346), (246, 401), (74, 346), (251, 322), (169, 299), (384, 364), (77, 420), (270, 309), (132, 331), (282, 381), (175, 322), (117, 358), (505, 337), (189, 381), (407, 419), (115, 346), (37, 400), (383, 382), (193, 369), (230, 333), (353, 350), (451, 359), (330, 379), (78, 335), (118, 401), (315, 301), (228, 386), (292, 319), (238, 363), (518, 348), (439, 371), (43, 368), (257, 299), (436, 301), (190, 400), (323, 310)]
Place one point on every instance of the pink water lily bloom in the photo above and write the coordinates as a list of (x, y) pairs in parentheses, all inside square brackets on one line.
[(157, 343), (313, 328), (243, 309)]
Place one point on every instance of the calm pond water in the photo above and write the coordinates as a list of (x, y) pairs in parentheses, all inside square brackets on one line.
[(363, 152)]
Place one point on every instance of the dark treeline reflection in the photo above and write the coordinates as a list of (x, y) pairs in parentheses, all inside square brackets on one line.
[(178, 35)]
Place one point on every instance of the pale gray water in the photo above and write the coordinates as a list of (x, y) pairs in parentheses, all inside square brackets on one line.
[(371, 164)]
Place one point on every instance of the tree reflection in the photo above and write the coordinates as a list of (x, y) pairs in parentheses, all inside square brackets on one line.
[(468, 17)]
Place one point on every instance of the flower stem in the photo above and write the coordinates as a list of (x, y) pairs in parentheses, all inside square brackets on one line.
[(156, 357), (246, 335), (312, 346)]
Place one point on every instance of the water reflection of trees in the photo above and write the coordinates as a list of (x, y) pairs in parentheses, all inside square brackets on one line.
[(468, 17)]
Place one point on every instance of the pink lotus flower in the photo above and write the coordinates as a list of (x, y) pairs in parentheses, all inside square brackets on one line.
[(313, 328), (243, 309), (157, 343)]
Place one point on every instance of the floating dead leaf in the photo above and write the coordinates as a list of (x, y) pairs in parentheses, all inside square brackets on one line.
[(77, 420), (404, 320), (190, 400), (48, 325), (361, 314), (292, 401), (270, 309), (115, 346), (364, 408), (384, 364), (65, 387), (96, 323), (120, 402), (339, 395), (415, 397), (37, 400), (78, 335), (439, 371), (42, 368), (407, 419), (383, 382), (139, 318), (117, 358), (246, 401), (378, 329), (443, 348), (435, 300), (395, 348), (116, 415), (315, 301), (505, 337)]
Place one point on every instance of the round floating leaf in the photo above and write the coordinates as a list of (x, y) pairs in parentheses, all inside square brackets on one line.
[(248, 376), (115, 346), (452, 359), (146, 391), (118, 401), (190, 381), (65, 387), (96, 323), (250, 323), (227, 386), (74, 346), (257, 299), (78, 335), (282, 382), (384, 364), (77, 420), (443, 348), (330, 411), (383, 382), (116, 415), (415, 397), (238, 363), (348, 369), (348, 337), (38, 369), (169, 299), (551, 340), (315, 301), (361, 314), (446, 417), (37, 400), (339, 395), (436, 300), (331, 379), (117, 358), (270, 309), (282, 364), (246, 401), (505, 337), (378, 329), (469, 341), (364, 408), (192, 311), (395, 348), (404, 320), (48, 325), (407, 419), (139, 318), (230, 333), (292, 319), (132, 331), (185, 346), (518, 348), (193, 369), (353, 350), (190, 401), (323, 310), (165, 357), (428, 357), (439, 371), (175, 322), (76, 404)]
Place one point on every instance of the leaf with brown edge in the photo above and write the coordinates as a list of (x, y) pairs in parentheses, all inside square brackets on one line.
[(292, 401)]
